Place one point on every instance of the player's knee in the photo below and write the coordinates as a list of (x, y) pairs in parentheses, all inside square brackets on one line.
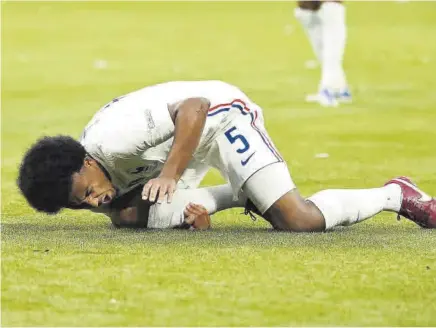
[(303, 220), (293, 213), (306, 223)]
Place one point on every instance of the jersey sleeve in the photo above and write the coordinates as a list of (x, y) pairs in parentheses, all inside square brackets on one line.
[(160, 125), (131, 127)]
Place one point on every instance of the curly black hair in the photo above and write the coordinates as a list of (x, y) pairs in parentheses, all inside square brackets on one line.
[(45, 174)]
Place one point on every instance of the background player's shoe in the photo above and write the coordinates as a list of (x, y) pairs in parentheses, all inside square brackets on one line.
[(416, 205), (324, 97), (344, 96)]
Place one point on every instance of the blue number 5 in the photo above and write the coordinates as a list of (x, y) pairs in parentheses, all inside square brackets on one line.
[(233, 139)]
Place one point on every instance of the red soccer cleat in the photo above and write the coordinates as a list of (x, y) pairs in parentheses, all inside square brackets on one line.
[(416, 205)]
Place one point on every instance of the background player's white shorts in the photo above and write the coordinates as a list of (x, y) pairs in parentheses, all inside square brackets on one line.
[(246, 156)]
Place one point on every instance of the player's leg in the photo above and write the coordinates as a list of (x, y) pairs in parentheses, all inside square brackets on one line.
[(128, 210), (326, 23), (213, 199), (131, 211), (307, 14), (273, 193), (334, 35), (248, 157), (324, 210)]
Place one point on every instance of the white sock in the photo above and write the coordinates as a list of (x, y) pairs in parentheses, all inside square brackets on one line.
[(334, 34), (345, 207), (214, 199), (312, 26)]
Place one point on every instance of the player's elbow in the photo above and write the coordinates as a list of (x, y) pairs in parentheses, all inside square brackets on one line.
[(190, 107), (200, 105), (204, 104)]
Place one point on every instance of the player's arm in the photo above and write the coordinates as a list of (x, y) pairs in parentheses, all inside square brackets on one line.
[(189, 117)]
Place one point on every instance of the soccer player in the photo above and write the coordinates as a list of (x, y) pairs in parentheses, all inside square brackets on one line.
[(168, 135), (324, 24)]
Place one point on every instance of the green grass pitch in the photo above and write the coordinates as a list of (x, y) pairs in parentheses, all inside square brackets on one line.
[(62, 61)]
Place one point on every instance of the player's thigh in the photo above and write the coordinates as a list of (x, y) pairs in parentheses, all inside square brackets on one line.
[(243, 149), (251, 162), (267, 185), (275, 195)]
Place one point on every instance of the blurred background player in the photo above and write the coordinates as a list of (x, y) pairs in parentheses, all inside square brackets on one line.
[(324, 24)]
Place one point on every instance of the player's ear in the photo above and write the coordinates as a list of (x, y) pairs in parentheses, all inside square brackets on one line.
[(88, 162)]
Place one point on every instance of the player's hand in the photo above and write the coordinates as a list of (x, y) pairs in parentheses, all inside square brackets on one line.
[(197, 216), (162, 186)]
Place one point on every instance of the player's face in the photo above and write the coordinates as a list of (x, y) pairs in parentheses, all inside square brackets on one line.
[(91, 187)]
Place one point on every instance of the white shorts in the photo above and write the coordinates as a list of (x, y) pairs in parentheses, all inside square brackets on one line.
[(267, 185), (193, 175), (247, 158)]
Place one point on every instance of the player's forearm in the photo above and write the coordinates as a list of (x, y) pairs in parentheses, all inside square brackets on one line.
[(189, 117)]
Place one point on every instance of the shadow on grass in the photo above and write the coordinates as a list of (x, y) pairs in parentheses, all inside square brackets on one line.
[(38, 227), (103, 233), (99, 234), (104, 228)]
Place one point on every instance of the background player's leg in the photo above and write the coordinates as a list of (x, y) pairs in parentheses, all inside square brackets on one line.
[(307, 14), (334, 34)]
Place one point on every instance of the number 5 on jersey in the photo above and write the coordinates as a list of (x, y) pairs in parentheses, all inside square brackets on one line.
[(235, 137)]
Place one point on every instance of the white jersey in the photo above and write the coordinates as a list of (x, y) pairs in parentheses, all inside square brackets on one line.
[(132, 135)]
